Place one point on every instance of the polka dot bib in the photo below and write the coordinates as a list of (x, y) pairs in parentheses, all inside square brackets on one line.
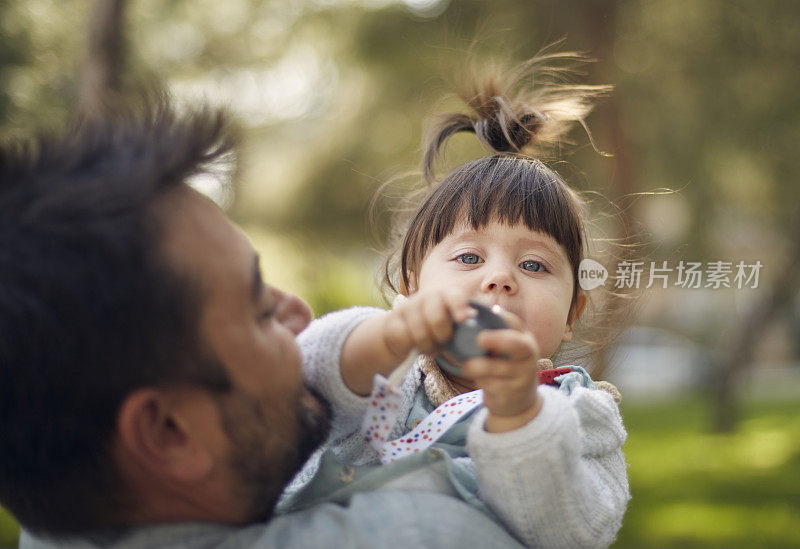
[(382, 412)]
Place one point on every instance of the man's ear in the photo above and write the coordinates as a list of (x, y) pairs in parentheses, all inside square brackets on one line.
[(158, 432), (575, 315)]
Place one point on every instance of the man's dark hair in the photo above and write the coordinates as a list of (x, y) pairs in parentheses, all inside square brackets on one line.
[(90, 309)]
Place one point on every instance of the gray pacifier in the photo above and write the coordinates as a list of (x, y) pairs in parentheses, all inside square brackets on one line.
[(463, 347)]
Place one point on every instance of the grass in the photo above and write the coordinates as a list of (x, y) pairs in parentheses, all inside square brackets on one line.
[(692, 488), (695, 489), (9, 530)]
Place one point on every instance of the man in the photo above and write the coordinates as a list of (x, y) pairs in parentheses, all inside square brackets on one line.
[(150, 385)]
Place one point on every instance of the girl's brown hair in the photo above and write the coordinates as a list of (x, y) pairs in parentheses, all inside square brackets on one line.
[(515, 117)]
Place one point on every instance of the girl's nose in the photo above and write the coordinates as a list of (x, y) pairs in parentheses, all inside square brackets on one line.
[(500, 281)]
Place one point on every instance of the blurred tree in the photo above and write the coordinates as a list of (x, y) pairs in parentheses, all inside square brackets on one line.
[(38, 59), (708, 91), (14, 52), (101, 75)]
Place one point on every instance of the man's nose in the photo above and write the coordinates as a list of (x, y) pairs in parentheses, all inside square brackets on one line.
[(294, 313), (500, 281)]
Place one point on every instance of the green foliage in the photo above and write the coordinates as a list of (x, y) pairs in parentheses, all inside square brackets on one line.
[(9, 530), (692, 488), (40, 51)]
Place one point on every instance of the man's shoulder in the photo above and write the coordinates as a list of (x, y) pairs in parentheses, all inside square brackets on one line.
[(388, 518), (371, 519)]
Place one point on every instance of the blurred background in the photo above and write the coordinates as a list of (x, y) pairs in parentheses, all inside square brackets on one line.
[(701, 132)]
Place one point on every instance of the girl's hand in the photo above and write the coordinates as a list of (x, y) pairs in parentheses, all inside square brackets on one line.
[(379, 344), (424, 321), (508, 377)]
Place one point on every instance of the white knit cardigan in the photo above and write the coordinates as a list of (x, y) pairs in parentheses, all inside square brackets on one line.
[(559, 481)]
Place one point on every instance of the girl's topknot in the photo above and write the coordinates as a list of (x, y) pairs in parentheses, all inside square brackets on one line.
[(528, 109)]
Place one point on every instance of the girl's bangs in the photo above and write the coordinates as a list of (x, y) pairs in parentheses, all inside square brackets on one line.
[(508, 190)]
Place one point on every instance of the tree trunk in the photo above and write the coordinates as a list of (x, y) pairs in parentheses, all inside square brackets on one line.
[(745, 338), (102, 69), (600, 23)]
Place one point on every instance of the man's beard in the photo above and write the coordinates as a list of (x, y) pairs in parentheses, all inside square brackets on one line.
[(269, 446)]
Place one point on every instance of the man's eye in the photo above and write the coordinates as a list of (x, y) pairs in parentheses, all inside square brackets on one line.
[(468, 259), (267, 313), (532, 266), (266, 316)]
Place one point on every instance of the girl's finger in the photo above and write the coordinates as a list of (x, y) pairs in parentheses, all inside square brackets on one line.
[(438, 319), (510, 344), (456, 302), (516, 376), (492, 388), (512, 320), (479, 367), (414, 319)]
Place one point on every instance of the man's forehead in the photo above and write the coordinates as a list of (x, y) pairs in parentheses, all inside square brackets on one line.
[(198, 237)]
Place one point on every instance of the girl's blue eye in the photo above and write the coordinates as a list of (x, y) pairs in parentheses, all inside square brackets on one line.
[(468, 259), (532, 266)]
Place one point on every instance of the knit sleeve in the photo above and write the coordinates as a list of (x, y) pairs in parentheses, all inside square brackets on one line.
[(560, 480), (321, 345)]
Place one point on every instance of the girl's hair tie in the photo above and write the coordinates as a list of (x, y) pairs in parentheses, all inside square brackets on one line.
[(512, 135)]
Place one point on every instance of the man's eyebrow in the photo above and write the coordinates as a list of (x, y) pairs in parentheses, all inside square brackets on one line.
[(257, 283)]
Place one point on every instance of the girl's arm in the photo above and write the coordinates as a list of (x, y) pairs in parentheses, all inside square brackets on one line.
[(380, 344), (321, 345), (343, 350), (560, 480)]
